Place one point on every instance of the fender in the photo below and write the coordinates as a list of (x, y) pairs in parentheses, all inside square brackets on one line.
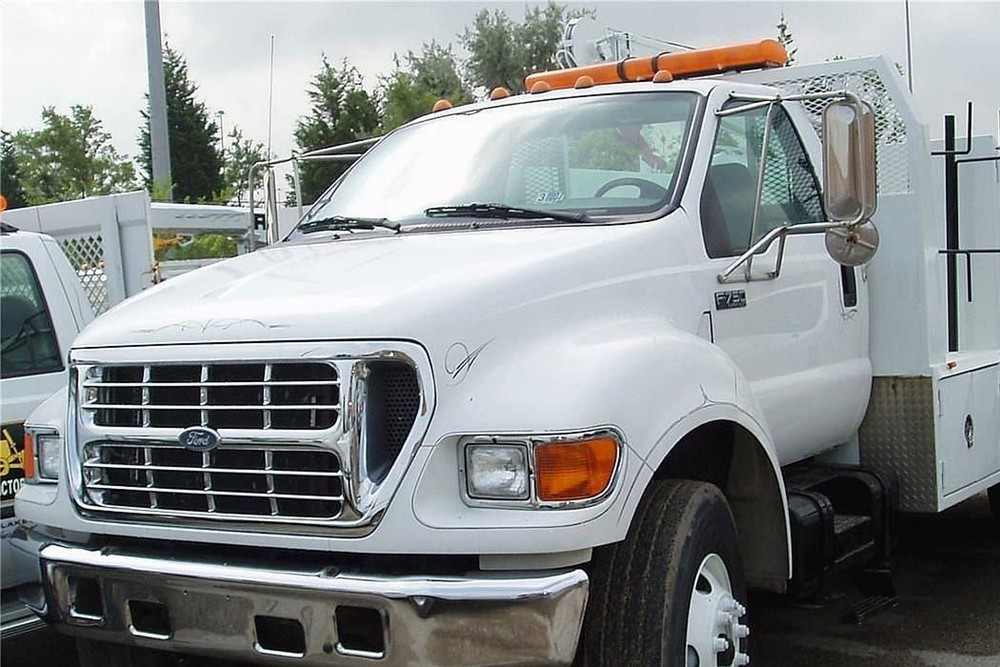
[(654, 382)]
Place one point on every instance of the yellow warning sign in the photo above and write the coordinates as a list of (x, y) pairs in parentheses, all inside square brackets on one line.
[(11, 460)]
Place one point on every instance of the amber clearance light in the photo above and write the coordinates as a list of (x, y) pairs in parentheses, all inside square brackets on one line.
[(574, 470), (28, 456)]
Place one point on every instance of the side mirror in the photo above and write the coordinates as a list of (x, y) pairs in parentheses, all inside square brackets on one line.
[(849, 161)]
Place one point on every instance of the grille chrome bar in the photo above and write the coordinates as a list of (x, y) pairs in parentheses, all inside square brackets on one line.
[(208, 470), (265, 383), (127, 406), (192, 492)]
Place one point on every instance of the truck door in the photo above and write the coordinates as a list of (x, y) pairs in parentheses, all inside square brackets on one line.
[(800, 338)]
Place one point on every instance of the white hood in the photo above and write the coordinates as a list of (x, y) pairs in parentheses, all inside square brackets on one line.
[(385, 286)]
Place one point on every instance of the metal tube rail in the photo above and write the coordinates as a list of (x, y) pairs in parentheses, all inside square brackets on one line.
[(777, 233)]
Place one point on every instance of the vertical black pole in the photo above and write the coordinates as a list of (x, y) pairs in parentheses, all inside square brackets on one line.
[(951, 228)]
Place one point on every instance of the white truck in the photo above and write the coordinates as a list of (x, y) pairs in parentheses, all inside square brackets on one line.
[(42, 309), (552, 377)]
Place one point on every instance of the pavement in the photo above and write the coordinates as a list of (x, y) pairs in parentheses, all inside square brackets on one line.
[(947, 574)]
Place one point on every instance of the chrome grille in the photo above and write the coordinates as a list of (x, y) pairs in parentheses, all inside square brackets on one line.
[(235, 481), (257, 396)]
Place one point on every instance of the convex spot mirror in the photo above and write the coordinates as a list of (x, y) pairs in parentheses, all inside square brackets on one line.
[(849, 161)]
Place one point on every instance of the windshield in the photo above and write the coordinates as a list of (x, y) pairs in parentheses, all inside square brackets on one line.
[(603, 156)]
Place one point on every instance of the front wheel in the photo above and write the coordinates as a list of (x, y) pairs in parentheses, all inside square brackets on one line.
[(994, 494), (673, 592)]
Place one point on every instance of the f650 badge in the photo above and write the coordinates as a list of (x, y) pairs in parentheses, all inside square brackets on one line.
[(199, 438)]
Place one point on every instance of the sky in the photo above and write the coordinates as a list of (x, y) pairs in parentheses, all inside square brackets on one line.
[(63, 53)]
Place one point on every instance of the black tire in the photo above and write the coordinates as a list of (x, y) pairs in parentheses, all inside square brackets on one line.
[(642, 588), (93, 653), (994, 494)]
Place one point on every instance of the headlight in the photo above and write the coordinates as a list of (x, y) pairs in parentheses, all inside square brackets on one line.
[(50, 448), (565, 470), (42, 456), (497, 472)]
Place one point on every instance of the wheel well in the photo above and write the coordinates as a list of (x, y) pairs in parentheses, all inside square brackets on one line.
[(727, 455)]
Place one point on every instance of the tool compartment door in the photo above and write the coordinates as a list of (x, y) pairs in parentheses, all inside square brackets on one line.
[(968, 427)]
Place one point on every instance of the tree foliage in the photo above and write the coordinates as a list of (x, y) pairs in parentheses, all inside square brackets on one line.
[(10, 173), (786, 38), (70, 157), (342, 111), (204, 246), (242, 153), (418, 81), (196, 164), (503, 51)]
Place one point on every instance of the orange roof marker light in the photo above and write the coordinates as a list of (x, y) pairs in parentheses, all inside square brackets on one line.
[(441, 105), (499, 93), (663, 76), (680, 65), (583, 82), (540, 86)]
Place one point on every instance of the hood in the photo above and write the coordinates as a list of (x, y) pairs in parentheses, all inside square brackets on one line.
[(398, 286)]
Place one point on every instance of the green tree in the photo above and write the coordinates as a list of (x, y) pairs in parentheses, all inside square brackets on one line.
[(241, 154), (342, 111), (10, 173), (503, 51), (70, 157), (418, 81), (786, 38), (196, 164)]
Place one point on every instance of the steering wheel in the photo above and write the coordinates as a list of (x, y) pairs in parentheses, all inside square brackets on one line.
[(647, 189)]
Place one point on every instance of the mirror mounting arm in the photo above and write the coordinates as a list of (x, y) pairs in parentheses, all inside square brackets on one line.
[(765, 144), (777, 234)]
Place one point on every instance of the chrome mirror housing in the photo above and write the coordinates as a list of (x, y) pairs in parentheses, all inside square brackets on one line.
[(849, 161)]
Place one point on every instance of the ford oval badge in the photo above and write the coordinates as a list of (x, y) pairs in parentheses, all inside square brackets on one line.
[(199, 438)]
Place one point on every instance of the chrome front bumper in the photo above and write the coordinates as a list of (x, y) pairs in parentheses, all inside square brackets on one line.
[(313, 616)]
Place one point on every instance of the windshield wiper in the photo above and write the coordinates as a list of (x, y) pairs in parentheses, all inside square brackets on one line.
[(503, 212), (346, 224)]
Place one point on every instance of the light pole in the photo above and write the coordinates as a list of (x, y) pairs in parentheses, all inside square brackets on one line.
[(222, 134), (909, 53), (159, 141)]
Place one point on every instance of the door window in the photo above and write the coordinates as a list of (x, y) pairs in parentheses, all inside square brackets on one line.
[(28, 343), (790, 192)]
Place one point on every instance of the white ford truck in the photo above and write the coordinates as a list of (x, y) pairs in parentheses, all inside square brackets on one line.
[(552, 377)]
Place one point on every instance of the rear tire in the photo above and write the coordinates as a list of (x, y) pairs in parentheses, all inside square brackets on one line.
[(93, 653), (673, 593)]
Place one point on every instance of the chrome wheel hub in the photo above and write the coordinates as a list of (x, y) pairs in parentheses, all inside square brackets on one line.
[(714, 630)]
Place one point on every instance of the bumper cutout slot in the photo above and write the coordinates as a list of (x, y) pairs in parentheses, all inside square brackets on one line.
[(279, 636), (149, 619), (86, 601), (360, 632)]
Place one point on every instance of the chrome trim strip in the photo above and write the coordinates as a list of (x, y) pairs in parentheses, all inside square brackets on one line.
[(204, 492), (208, 469), (205, 408)]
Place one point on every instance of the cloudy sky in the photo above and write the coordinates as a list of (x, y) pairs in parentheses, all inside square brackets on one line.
[(63, 53)]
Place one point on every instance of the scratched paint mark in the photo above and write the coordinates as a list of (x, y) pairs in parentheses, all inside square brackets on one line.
[(458, 360), (202, 327)]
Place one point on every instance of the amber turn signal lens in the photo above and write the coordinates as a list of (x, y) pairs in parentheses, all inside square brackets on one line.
[(28, 456), (575, 470)]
